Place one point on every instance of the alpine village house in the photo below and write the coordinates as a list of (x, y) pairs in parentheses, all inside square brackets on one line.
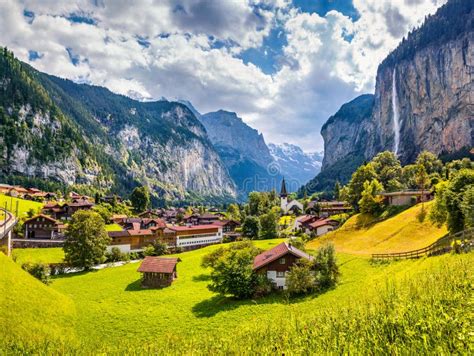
[(276, 262)]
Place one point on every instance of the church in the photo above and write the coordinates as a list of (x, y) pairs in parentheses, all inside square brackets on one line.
[(292, 206)]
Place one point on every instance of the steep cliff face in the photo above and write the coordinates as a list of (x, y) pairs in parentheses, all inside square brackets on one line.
[(347, 131), (435, 101), (243, 150), (424, 100), (82, 134), (226, 129)]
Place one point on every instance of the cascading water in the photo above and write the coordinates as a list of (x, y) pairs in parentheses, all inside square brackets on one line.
[(396, 118)]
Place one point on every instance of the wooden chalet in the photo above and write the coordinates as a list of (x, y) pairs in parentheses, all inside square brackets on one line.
[(66, 210), (276, 262), (227, 225), (43, 227), (158, 272), (320, 227)]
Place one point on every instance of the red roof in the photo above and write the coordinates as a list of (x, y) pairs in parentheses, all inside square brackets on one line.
[(192, 228), (323, 222), (158, 264), (306, 218), (275, 253)]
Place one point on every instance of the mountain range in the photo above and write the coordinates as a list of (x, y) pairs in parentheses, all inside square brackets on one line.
[(252, 164), (57, 133)]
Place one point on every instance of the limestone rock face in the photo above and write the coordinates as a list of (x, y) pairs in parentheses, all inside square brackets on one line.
[(436, 101)]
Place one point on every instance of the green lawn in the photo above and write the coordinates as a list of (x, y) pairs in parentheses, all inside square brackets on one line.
[(113, 227), (23, 205), (38, 255), (414, 307)]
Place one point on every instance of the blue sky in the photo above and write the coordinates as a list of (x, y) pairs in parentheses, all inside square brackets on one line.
[(283, 66)]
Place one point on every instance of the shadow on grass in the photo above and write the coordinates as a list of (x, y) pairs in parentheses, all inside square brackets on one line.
[(210, 307), (135, 286), (202, 278)]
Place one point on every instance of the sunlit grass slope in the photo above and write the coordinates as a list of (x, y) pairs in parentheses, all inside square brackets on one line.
[(23, 205), (38, 255), (31, 311), (408, 307), (402, 232)]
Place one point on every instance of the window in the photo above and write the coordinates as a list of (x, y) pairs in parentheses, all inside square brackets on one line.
[(280, 274), (282, 261)]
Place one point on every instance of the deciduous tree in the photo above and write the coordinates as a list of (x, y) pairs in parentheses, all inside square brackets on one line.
[(86, 240)]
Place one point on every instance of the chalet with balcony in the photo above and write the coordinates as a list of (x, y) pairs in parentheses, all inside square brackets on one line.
[(66, 210), (276, 262), (44, 227)]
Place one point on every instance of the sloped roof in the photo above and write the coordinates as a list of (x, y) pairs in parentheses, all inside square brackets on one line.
[(158, 264), (49, 218), (275, 253), (323, 222)]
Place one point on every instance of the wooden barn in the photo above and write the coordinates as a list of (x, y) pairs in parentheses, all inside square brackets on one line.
[(158, 272)]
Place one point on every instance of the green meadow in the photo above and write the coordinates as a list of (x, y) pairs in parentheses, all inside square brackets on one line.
[(23, 205), (404, 307)]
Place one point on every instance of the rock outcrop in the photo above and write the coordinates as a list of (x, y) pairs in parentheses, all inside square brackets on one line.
[(424, 100), (77, 134)]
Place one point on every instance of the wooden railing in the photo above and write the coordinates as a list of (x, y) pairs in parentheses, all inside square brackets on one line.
[(443, 245)]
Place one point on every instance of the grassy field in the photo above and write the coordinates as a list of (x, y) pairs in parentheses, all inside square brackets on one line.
[(23, 205), (30, 308), (38, 255), (410, 307), (113, 227), (402, 232)]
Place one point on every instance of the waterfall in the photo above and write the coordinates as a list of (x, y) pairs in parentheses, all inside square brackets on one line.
[(396, 118)]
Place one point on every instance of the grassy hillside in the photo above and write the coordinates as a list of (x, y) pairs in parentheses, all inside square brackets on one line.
[(38, 255), (402, 232), (23, 205), (31, 311)]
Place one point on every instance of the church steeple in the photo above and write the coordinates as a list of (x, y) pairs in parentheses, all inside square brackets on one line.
[(283, 193)]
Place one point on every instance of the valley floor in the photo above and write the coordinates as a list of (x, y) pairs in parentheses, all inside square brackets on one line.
[(418, 305)]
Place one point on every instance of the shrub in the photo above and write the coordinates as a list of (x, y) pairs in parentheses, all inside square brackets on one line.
[(149, 251), (301, 278), (160, 248), (116, 255), (39, 271), (327, 271)]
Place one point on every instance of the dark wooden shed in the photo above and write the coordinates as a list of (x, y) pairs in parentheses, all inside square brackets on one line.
[(158, 272)]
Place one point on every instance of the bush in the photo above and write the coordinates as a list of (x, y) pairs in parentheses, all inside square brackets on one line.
[(39, 271), (116, 255), (160, 248), (327, 271), (301, 278), (149, 251)]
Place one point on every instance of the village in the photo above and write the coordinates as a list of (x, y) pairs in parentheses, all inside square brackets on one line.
[(176, 230)]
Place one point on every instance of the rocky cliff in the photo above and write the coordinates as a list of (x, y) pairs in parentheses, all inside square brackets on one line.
[(243, 150), (423, 99), (81, 134)]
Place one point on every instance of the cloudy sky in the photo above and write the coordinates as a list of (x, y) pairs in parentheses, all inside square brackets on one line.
[(284, 66)]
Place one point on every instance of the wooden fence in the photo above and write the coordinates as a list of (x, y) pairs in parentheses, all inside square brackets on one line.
[(443, 245)]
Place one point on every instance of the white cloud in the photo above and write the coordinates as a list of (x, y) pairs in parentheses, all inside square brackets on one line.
[(193, 49)]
